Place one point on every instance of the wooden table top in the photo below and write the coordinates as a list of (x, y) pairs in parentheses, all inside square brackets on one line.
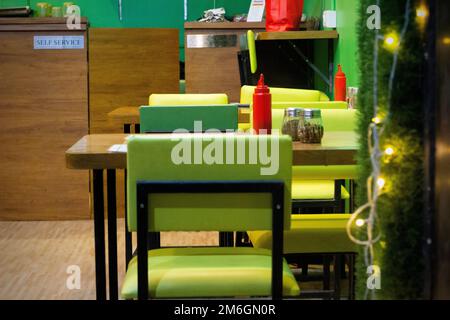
[(92, 151), (130, 115), (298, 35)]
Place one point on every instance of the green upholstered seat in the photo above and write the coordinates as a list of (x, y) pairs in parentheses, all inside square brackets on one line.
[(219, 272), (311, 233), (284, 95), (208, 272), (170, 118), (316, 190), (187, 99)]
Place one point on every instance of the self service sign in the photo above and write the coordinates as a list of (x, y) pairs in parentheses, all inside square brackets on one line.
[(58, 42)]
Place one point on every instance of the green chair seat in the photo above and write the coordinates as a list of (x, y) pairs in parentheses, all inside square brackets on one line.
[(316, 190), (311, 233), (208, 272)]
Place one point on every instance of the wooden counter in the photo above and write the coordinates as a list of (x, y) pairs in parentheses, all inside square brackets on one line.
[(43, 108), (215, 69)]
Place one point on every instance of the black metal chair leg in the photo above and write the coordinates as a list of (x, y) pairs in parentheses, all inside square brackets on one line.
[(326, 272), (351, 276), (337, 276)]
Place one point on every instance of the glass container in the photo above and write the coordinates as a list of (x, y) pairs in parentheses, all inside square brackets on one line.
[(290, 122), (310, 126)]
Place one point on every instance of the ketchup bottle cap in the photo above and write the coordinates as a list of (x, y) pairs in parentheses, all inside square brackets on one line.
[(339, 73), (261, 87)]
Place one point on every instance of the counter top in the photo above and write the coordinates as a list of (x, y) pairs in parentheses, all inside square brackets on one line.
[(224, 25), (38, 24)]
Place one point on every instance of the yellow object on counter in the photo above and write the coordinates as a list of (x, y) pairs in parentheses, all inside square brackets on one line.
[(66, 6), (57, 12), (41, 9)]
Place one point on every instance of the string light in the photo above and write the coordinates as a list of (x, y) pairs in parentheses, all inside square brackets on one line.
[(380, 183), (360, 222), (391, 41), (375, 183), (422, 14), (377, 120), (389, 151), (422, 11)]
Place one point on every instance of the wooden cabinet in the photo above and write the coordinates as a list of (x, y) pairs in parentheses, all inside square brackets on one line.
[(43, 110), (126, 65), (211, 56)]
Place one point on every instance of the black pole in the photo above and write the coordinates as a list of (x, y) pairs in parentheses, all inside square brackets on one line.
[(99, 235), (112, 235)]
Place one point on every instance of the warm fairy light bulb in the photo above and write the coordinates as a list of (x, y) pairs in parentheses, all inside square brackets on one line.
[(381, 182), (422, 14), (389, 151), (391, 41), (360, 222), (422, 11), (376, 120)]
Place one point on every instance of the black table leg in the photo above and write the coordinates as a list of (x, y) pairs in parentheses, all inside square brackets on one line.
[(326, 272), (128, 238), (112, 235), (99, 234), (127, 128)]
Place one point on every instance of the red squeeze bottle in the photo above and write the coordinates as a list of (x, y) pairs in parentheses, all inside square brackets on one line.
[(340, 85), (262, 107)]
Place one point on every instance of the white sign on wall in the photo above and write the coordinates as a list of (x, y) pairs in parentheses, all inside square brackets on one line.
[(58, 42), (256, 12)]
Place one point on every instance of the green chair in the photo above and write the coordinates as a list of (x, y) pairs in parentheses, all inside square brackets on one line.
[(285, 95), (317, 237), (322, 186), (165, 195), (158, 119), (170, 118)]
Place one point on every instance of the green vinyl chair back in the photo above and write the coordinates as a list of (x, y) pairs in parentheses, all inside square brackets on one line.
[(189, 99), (310, 105), (190, 118), (284, 95), (157, 158)]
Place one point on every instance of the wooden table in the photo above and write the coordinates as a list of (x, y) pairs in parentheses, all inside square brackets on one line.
[(92, 153), (129, 117)]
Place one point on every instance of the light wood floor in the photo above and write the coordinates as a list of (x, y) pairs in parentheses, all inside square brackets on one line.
[(34, 257)]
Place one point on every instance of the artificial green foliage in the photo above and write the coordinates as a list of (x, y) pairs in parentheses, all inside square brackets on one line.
[(400, 208)]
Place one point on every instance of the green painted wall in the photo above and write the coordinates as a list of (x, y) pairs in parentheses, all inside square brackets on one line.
[(142, 13), (170, 14), (346, 52)]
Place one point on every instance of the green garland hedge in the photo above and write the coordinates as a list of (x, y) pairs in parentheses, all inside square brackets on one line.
[(400, 209)]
